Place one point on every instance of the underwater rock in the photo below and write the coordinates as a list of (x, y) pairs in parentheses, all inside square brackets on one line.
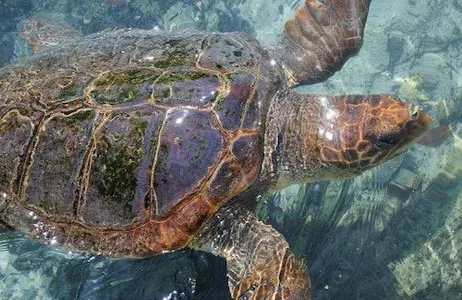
[(265, 16), (10, 9), (6, 48), (410, 89), (437, 136), (432, 68), (10, 13), (181, 16), (212, 15), (433, 268), (395, 47), (458, 4)]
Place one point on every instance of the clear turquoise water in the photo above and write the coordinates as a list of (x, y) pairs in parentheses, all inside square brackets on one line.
[(361, 241)]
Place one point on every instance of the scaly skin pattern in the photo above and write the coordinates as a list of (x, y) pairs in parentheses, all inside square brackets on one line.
[(321, 38), (271, 272), (124, 143), (335, 137), (371, 129)]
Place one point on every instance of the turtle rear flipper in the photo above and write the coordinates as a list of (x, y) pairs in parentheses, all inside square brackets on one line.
[(322, 37), (259, 261), (42, 33)]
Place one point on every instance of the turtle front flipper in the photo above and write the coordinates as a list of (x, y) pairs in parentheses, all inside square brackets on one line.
[(322, 37), (260, 263)]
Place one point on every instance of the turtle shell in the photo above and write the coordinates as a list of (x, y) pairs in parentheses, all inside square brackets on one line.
[(126, 142)]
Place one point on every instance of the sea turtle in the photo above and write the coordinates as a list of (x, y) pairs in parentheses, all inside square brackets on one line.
[(131, 143)]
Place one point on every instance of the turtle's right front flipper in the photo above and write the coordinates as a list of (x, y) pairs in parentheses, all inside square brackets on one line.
[(324, 34), (259, 261)]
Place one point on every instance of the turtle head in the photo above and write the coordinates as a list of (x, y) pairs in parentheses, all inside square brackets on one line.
[(356, 133)]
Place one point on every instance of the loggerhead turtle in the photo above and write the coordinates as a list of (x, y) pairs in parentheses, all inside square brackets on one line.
[(131, 143)]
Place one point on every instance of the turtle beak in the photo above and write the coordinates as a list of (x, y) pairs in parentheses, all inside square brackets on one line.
[(419, 123)]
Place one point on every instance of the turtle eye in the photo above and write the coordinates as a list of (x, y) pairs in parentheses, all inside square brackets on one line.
[(414, 111)]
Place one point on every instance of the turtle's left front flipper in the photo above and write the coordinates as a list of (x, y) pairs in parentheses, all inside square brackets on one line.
[(324, 34), (259, 261)]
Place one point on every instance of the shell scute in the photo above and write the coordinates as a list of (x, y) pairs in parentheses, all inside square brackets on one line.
[(15, 133), (192, 215), (226, 53), (225, 181), (190, 146), (175, 53), (56, 162), (122, 86), (247, 148), (67, 87), (119, 175), (230, 109), (82, 239), (186, 87), (252, 118)]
